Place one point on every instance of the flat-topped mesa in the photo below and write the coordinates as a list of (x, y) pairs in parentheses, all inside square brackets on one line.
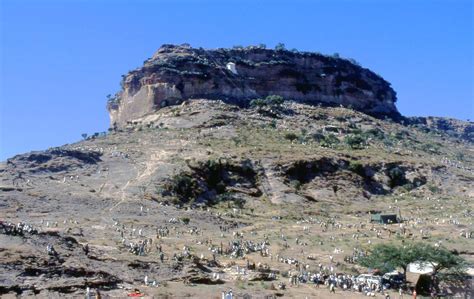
[(178, 73)]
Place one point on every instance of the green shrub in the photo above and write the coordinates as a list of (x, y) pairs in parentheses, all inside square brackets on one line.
[(431, 147), (375, 133), (239, 202), (291, 136), (433, 188), (296, 184), (355, 141), (460, 156), (409, 186), (397, 177), (280, 47), (357, 167), (209, 180), (329, 140), (257, 103), (273, 124), (401, 135), (270, 101), (184, 186), (318, 137)]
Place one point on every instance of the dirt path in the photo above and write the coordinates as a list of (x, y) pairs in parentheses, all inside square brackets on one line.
[(151, 165)]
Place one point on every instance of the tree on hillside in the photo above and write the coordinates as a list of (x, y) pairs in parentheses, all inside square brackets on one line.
[(271, 105), (272, 101), (355, 141), (387, 257), (446, 265), (280, 47)]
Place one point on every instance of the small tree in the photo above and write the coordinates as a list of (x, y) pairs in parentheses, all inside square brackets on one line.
[(329, 140), (357, 167), (353, 61), (446, 265), (274, 100), (142, 190), (291, 136), (397, 177), (355, 141), (184, 186), (280, 47), (272, 104), (84, 136), (387, 257)]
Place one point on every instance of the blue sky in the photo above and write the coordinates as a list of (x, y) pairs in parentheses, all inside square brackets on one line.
[(59, 59)]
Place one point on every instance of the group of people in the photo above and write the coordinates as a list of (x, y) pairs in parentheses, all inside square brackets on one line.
[(18, 229), (138, 248), (341, 281), (238, 248)]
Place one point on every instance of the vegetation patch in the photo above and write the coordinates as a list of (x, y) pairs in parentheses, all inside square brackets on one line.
[(213, 181), (326, 140), (373, 178), (271, 105), (304, 171)]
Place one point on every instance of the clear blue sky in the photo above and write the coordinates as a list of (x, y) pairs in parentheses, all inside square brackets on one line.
[(59, 59)]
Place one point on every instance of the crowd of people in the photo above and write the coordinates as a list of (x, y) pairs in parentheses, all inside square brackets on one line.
[(148, 239), (18, 229)]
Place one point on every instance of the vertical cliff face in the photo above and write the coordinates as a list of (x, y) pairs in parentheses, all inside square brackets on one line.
[(178, 73)]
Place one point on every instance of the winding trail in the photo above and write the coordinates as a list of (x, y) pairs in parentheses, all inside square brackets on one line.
[(151, 165)]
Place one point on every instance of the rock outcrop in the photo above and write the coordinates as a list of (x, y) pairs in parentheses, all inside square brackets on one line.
[(178, 73), (453, 127)]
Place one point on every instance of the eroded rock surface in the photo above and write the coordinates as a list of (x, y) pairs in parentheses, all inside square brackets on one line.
[(178, 73)]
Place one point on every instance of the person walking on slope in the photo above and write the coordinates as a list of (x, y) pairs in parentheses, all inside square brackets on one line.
[(332, 289)]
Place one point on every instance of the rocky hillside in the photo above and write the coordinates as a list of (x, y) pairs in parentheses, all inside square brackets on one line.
[(287, 152), (178, 73), (240, 189), (190, 167), (453, 127)]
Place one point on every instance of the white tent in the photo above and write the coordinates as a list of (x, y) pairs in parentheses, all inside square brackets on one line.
[(420, 267)]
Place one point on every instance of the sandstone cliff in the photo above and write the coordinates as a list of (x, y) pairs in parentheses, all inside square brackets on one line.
[(178, 73)]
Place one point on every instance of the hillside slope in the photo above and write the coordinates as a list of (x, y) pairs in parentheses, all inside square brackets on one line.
[(205, 169)]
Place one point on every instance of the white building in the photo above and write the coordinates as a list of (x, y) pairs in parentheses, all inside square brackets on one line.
[(231, 67)]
